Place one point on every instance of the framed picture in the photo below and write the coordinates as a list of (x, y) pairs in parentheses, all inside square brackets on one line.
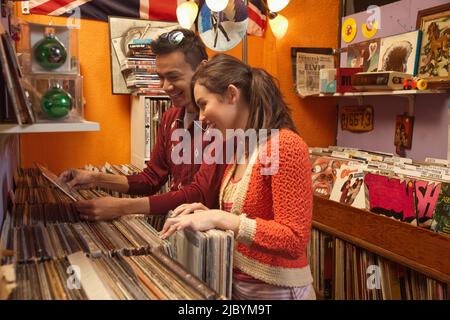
[(400, 52), (122, 31), (307, 71), (434, 61)]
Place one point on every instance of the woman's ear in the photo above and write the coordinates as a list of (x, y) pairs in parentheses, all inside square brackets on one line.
[(202, 63), (233, 94)]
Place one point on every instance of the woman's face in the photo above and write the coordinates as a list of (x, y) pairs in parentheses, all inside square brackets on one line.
[(218, 111)]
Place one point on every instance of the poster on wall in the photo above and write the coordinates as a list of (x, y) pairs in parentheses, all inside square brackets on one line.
[(308, 66), (400, 52)]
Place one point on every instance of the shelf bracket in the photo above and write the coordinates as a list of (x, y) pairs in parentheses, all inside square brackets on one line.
[(411, 102), (360, 100)]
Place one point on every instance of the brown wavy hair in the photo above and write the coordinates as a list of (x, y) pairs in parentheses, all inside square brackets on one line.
[(259, 89)]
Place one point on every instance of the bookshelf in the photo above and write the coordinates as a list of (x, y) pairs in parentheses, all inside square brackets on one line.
[(145, 117), (50, 127), (422, 250)]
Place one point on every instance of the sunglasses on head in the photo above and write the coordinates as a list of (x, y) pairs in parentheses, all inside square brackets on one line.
[(173, 37)]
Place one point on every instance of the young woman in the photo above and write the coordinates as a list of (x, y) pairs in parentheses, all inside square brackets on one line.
[(270, 214)]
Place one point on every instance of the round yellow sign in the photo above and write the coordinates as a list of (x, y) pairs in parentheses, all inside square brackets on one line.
[(349, 29)]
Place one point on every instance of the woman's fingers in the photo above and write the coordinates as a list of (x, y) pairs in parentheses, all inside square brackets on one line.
[(185, 209), (169, 230), (179, 209)]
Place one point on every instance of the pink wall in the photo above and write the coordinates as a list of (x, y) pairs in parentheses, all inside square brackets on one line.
[(430, 134)]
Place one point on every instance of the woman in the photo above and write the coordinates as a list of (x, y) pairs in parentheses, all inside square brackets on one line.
[(270, 214)]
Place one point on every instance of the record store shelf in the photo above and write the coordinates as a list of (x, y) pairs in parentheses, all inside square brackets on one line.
[(417, 248), (50, 127)]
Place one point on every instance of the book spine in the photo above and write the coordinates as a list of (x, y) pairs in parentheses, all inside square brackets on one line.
[(147, 121)]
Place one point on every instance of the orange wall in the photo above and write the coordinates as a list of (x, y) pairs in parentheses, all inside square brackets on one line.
[(312, 23)]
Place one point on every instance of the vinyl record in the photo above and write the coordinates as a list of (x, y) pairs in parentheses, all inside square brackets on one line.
[(222, 31), (349, 30), (369, 29)]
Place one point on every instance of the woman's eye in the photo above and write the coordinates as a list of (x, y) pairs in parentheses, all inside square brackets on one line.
[(317, 169)]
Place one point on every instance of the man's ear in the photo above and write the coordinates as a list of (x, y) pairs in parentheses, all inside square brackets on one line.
[(233, 94)]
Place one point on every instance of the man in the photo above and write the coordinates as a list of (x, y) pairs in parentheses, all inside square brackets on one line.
[(178, 54)]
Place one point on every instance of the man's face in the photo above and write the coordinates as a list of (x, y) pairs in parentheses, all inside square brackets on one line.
[(176, 75)]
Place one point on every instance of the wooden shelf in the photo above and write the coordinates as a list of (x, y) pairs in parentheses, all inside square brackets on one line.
[(50, 127), (382, 93), (419, 249)]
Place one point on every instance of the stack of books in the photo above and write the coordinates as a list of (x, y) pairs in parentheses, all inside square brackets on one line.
[(139, 70)]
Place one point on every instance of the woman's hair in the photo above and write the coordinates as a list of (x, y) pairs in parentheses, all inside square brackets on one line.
[(267, 107)]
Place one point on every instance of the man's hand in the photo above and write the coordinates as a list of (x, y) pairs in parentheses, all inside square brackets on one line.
[(79, 179), (106, 208)]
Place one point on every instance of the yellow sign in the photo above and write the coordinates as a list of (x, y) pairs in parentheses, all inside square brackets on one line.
[(349, 30), (357, 118), (369, 30)]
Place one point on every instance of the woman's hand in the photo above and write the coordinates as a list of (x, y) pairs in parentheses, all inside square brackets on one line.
[(79, 179), (188, 208), (201, 221)]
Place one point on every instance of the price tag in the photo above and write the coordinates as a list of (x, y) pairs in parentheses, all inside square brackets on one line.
[(357, 118)]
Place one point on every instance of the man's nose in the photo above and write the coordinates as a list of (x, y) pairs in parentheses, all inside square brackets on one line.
[(166, 85)]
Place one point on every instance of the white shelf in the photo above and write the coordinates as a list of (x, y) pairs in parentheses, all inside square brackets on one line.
[(50, 127), (381, 93), (151, 96), (410, 95)]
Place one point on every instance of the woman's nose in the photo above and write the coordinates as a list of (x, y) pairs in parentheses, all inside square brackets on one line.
[(201, 116)]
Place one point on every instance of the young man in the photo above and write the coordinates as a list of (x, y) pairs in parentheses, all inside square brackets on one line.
[(178, 54)]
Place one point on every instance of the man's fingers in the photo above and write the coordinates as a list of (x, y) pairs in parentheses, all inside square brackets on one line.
[(72, 183)]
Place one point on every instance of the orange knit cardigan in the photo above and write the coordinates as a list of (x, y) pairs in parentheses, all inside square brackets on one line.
[(275, 213)]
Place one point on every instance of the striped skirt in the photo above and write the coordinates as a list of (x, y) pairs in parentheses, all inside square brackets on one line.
[(243, 290)]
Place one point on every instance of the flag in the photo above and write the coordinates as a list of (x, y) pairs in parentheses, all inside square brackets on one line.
[(160, 10), (257, 20)]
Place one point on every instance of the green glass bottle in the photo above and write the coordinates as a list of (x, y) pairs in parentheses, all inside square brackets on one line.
[(56, 103), (49, 52)]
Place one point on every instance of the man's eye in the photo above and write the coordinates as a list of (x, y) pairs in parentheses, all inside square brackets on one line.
[(317, 169)]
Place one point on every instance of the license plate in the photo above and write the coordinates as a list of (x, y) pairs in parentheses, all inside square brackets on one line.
[(357, 118)]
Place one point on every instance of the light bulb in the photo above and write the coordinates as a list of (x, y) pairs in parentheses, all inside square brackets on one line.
[(277, 5), (186, 14), (217, 5), (279, 26)]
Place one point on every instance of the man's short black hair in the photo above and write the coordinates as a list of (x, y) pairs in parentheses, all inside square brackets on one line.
[(191, 46)]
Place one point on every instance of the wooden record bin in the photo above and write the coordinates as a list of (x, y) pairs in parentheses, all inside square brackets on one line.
[(419, 249)]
